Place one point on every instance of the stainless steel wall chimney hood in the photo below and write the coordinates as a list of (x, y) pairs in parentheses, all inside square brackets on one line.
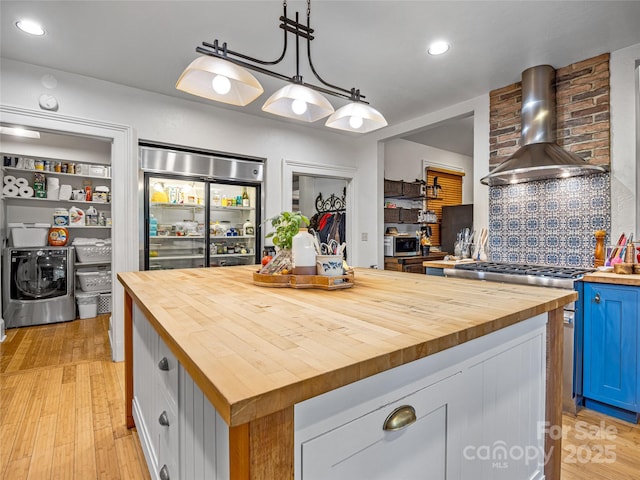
[(539, 157)]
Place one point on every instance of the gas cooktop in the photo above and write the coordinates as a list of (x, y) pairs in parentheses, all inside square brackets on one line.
[(525, 269), (545, 275)]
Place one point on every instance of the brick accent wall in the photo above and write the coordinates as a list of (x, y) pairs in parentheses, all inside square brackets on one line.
[(582, 113)]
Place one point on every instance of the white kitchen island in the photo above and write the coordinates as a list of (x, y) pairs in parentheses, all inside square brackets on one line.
[(268, 383)]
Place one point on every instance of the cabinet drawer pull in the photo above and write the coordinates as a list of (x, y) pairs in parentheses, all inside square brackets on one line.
[(597, 298), (400, 418), (164, 473), (163, 419), (163, 364)]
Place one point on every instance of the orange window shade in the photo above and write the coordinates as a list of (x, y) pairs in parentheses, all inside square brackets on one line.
[(450, 193)]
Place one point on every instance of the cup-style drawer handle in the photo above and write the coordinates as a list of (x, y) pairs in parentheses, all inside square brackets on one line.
[(400, 418), (597, 298), (164, 473), (163, 419), (163, 364)]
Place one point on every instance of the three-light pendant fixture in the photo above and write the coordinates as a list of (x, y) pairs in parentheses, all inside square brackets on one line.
[(222, 75)]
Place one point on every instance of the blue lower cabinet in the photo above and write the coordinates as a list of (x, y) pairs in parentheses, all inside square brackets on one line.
[(612, 350)]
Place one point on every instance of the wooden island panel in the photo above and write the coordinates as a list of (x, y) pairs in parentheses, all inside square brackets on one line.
[(256, 350)]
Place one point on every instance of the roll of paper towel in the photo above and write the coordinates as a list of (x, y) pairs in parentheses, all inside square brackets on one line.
[(22, 182), (9, 180), (53, 193), (26, 191), (65, 192), (53, 182), (10, 190)]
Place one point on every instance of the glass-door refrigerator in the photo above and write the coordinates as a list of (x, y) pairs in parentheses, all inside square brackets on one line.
[(206, 212)]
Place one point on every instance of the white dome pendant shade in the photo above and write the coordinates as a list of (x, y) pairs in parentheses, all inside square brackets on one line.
[(356, 117), (219, 80), (298, 102)]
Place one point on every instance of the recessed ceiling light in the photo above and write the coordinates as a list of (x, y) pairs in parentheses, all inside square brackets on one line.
[(31, 27), (438, 48), (19, 132)]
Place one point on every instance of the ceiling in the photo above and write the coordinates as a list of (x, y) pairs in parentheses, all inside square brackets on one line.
[(376, 46)]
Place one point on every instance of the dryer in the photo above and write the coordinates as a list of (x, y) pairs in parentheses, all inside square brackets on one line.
[(38, 285)]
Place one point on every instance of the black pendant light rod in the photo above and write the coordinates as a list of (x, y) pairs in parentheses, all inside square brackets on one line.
[(299, 30), (353, 93)]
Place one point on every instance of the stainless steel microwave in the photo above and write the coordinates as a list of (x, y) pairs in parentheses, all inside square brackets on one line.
[(401, 245)]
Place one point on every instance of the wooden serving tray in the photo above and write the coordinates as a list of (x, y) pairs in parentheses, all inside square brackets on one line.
[(305, 281)]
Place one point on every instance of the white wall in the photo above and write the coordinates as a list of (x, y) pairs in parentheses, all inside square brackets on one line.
[(310, 187), (625, 143), (403, 160)]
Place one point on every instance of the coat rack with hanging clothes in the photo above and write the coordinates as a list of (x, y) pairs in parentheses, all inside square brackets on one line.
[(330, 219)]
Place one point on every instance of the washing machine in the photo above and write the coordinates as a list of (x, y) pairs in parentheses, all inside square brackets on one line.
[(38, 285)]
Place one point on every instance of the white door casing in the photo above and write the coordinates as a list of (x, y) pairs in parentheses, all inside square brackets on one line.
[(291, 168), (124, 174)]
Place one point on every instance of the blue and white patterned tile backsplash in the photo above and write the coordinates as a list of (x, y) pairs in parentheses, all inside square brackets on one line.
[(549, 222)]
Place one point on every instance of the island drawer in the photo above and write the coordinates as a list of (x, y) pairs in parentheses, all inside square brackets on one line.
[(373, 446), (167, 370)]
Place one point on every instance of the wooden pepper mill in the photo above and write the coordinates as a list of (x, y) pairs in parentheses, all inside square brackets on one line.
[(599, 253)]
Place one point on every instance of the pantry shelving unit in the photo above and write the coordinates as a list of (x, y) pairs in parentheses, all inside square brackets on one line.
[(20, 209)]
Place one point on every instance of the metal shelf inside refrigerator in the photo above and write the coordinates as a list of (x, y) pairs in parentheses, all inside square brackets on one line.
[(227, 209), (178, 257), (175, 205), (232, 237), (175, 237)]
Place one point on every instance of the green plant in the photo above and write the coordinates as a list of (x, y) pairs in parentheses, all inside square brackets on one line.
[(286, 226)]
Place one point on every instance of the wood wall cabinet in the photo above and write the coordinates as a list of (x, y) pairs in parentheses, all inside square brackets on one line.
[(611, 375), (441, 188), (411, 195)]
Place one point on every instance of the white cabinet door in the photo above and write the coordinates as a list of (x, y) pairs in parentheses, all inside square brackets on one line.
[(363, 449), (504, 438)]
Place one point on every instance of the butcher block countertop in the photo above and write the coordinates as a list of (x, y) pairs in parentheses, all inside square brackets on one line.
[(613, 278), (255, 350), (444, 263)]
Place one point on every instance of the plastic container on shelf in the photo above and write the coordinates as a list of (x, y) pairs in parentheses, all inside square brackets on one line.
[(58, 236), (77, 216), (29, 234), (87, 304), (92, 249), (93, 279)]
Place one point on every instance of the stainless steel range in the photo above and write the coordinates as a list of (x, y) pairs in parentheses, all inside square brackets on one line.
[(546, 276)]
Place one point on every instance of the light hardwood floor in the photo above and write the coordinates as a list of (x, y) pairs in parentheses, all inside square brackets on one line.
[(62, 406), (62, 414)]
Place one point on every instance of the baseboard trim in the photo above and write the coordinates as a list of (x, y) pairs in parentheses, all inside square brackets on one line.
[(145, 441)]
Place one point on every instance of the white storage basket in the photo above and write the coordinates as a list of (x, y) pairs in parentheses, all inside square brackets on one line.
[(104, 303), (92, 250), (87, 304), (29, 234), (94, 279)]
